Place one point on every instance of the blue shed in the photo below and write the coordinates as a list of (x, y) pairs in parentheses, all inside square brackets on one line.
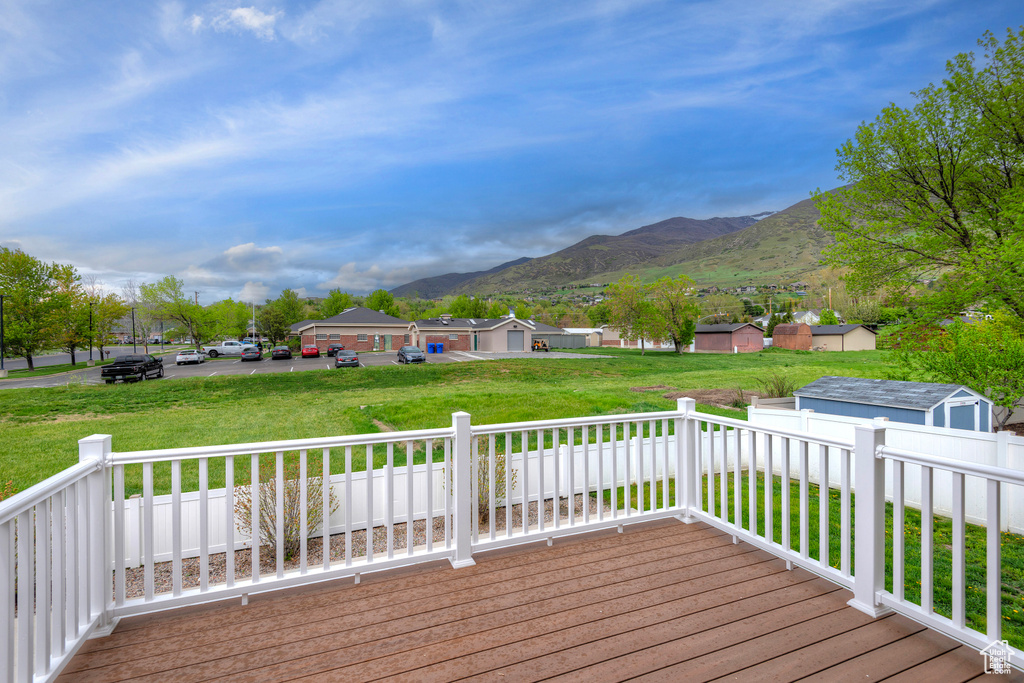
[(920, 403)]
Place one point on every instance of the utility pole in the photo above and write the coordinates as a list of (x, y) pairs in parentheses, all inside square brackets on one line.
[(197, 298), (134, 350), (91, 304), (3, 373)]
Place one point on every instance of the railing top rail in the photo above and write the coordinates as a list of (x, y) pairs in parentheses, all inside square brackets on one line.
[(163, 454), (15, 505), (572, 422), (774, 431), (976, 469)]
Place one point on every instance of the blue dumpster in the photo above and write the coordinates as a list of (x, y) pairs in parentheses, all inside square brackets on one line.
[(431, 347), (440, 348)]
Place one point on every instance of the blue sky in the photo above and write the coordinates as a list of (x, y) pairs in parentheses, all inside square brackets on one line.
[(246, 147)]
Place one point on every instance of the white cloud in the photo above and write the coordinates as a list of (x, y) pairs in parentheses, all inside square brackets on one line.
[(195, 23), (251, 19), (254, 291), (249, 257), (351, 279)]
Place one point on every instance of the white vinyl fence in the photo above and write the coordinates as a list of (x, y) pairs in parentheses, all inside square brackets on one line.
[(1001, 449)]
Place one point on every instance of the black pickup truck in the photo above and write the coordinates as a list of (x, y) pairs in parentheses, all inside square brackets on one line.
[(135, 367)]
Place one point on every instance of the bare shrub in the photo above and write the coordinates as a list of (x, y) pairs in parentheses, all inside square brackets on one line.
[(775, 385), (292, 508), (483, 481)]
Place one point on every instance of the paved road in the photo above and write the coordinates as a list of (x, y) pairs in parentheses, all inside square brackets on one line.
[(81, 356), (234, 366)]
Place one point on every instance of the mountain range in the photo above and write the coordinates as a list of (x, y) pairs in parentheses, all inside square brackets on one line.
[(763, 248)]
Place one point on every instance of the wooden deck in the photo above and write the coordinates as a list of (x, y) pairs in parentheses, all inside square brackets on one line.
[(662, 601)]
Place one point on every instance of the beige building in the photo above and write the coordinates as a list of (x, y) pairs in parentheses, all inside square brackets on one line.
[(842, 338), (474, 334)]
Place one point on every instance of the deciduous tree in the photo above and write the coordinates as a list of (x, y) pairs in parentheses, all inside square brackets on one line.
[(935, 190), (677, 309), (29, 304)]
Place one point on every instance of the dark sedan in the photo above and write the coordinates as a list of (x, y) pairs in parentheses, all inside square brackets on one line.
[(343, 358), (411, 354), (280, 352), (333, 349), (252, 353)]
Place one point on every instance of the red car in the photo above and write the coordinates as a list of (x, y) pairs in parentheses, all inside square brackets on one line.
[(310, 351)]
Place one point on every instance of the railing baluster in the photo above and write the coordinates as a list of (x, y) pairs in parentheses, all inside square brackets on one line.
[(752, 481), (348, 513), (786, 518), (229, 520), (524, 441), (508, 485), (823, 504), (665, 499), (57, 529), (556, 499), (303, 512), (7, 573), (27, 607), (613, 435), (570, 474), (769, 488), (449, 493), (369, 503), (389, 498), (42, 586), (994, 563), (805, 503), (927, 544), (176, 527), (585, 439), (254, 499), (711, 465), (204, 525), (599, 437), (148, 525), (279, 512), (119, 571), (844, 511), (541, 457), (428, 461), (73, 611), (653, 494), (492, 485), (325, 502), (959, 567), (737, 481), (409, 501), (723, 482), (627, 493), (898, 539), (474, 487)]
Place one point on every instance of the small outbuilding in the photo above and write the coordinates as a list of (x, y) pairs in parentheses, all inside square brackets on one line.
[(921, 403), (728, 338), (842, 338), (475, 334), (793, 336)]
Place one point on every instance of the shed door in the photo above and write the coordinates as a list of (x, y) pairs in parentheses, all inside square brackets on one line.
[(515, 340)]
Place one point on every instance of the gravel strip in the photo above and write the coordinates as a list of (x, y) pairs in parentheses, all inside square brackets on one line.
[(190, 568)]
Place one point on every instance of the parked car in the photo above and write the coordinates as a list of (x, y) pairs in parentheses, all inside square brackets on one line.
[(343, 358), (310, 351), (334, 348), (190, 356), (411, 354), (226, 348), (280, 352), (252, 353), (135, 367)]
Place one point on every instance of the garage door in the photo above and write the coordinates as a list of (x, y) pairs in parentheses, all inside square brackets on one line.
[(515, 340)]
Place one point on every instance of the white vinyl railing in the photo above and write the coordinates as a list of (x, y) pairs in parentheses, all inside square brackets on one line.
[(67, 566)]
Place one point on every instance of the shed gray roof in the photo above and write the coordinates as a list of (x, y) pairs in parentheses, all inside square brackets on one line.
[(724, 327), (836, 329), (353, 316), (545, 328), (476, 323), (880, 392)]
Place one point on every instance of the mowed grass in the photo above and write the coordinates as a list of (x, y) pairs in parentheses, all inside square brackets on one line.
[(976, 543), (40, 428)]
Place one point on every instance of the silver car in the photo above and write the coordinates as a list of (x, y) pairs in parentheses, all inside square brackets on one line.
[(190, 356)]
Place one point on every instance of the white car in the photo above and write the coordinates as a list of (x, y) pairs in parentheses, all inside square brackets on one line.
[(190, 356)]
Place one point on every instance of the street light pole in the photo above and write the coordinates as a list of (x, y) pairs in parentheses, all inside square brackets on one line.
[(134, 350), (2, 348), (91, 304)]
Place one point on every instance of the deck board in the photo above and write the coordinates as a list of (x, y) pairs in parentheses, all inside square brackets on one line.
[(661, 601)]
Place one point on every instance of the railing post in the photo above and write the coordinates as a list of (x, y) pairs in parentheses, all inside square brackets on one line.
[(462, 490), (869, 520), (100, 532), (685, 464)]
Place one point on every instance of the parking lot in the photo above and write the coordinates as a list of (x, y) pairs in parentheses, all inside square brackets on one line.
[(234, 366)]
